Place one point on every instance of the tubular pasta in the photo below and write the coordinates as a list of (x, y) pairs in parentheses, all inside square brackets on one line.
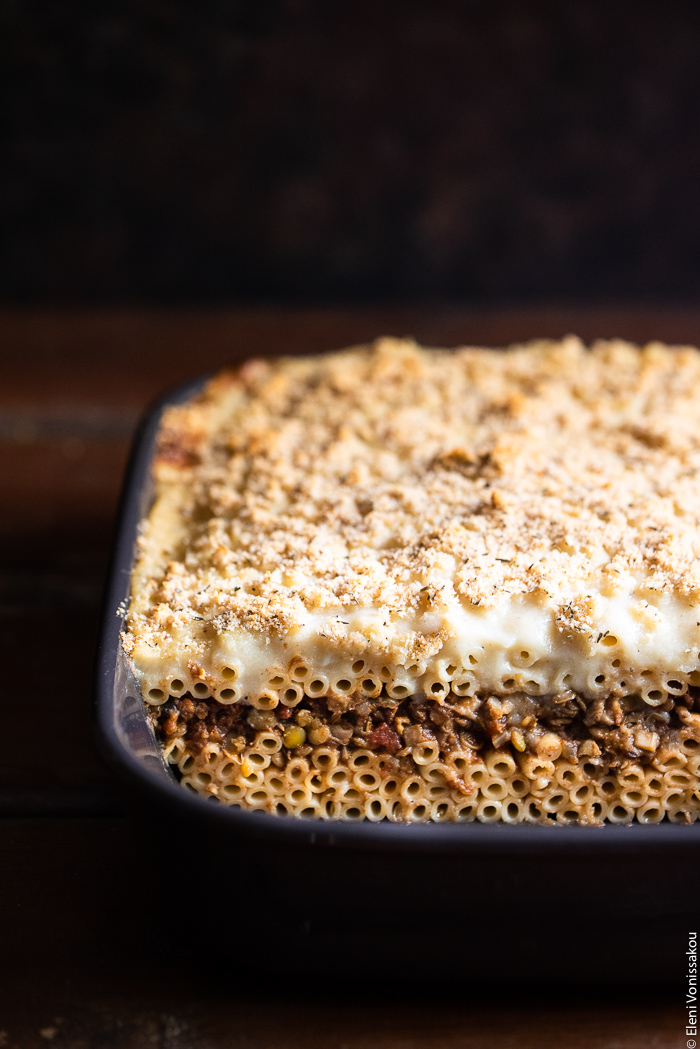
[(488, 811), (442, 810), (318, 785)]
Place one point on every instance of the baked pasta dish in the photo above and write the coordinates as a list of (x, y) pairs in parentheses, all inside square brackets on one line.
[(423, 584)]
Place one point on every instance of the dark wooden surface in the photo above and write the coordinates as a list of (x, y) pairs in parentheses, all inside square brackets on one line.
[(80, 967)]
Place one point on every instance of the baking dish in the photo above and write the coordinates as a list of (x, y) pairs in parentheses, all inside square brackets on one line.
[(453, 890)]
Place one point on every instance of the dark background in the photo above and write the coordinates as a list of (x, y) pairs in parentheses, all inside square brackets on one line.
[(223, 151)]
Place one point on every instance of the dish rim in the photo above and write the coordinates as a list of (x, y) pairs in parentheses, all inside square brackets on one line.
[(163, 788)]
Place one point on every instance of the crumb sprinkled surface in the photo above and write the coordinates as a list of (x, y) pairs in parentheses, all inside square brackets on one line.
[(405, 480)]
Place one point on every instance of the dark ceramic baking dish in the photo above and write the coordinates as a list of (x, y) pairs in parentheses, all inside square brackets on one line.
[(469, 896)]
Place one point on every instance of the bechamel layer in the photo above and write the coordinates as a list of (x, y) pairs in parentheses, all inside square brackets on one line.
[(637, 644)]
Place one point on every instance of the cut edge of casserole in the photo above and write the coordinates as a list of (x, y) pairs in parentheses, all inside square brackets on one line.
[(414, 584)]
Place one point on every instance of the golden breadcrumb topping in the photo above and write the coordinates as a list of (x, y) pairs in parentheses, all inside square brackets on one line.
[(402, 479)]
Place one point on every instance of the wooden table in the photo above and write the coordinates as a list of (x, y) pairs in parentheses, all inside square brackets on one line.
[(74, 890)]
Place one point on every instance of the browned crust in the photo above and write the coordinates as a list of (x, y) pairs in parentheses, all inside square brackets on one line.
[(358, 477)]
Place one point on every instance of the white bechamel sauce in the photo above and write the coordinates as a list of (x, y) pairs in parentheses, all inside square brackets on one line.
[(518, 642)]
